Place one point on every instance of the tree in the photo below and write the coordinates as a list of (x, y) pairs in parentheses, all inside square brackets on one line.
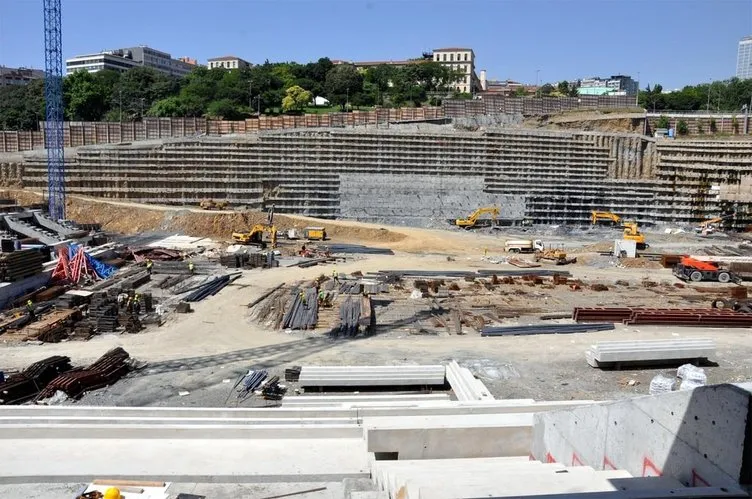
[(224, 109), (546, 89), (682, 128), (22, 107), (296, 98), (663, 122), (342, 83), (86, 97), (519, 92), (563, 87)]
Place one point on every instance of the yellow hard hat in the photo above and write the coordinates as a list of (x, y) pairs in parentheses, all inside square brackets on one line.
[(112, 493)]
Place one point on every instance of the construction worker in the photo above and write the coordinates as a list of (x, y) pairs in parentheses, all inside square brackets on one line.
[(129, 305), (322, 297), (335, 275), (191, 267), (303, 299), (137, 304), (149, 265), (112, 493), (30, 308)]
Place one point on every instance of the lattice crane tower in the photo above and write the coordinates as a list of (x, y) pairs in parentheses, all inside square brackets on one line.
[(53, 94)]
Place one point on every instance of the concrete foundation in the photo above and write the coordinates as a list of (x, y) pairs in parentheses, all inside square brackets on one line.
[(700, 437)]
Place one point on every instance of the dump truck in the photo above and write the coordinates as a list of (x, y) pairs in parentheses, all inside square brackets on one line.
[(524, 246), (632, 233), (314, 233), (604, 217), (691, 269), (475, 220)]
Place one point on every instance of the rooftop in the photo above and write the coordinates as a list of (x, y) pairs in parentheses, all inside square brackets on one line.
[(452, 49), (226, 58)]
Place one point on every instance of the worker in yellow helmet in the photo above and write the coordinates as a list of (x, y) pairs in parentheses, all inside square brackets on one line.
[(112, 493)]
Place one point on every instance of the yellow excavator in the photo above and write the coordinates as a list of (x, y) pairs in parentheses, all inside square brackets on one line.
[(632, 233), (605, 217), (474, 219), (710, 225), (255, 236)]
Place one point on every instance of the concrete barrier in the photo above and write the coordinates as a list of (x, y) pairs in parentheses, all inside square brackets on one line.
[(439, 437), (700, 437)]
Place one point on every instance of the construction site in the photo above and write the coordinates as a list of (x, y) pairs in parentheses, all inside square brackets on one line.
[(418, 310)]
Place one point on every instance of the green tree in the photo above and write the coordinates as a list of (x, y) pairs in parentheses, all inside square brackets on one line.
[(546, 90), (296, 98), (225, 109), (171, 106), (563, 87), (343, 82), (86, 97), (22, 107), (663, 122), (519, 92), (682, 128)]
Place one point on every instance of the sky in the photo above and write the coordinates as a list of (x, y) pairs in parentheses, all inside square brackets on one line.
[(671, 42)]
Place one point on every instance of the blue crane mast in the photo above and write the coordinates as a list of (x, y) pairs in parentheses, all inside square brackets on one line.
[(53, 94)]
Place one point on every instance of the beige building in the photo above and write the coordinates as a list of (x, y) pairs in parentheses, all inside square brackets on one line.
[(462, 60), (228, 62)]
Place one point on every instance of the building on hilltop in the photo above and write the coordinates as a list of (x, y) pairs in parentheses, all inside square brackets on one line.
[(228, 62), (615, 85), (744, 58), (462, 60), (188, 60), (127, 58), (458, 59), (19, 76)]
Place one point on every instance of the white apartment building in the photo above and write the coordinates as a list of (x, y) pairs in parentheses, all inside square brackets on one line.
[(127, 58), (462, 60), (744, 58), (228, 62)]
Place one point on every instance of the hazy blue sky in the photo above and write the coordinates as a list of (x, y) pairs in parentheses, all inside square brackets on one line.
[(672, 42)]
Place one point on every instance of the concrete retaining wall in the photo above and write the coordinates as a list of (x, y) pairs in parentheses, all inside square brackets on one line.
[(700, 437)]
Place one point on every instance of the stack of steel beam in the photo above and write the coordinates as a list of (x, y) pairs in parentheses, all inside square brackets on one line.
[(545, 329), (674, 316), (303, 313), (106, 370), (31, 380)]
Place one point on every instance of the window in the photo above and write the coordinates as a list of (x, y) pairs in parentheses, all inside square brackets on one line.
[(451, 57), (444, 57), (465, 55)]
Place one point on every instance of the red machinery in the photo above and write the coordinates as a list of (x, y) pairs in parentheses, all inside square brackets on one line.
[(691, 269)]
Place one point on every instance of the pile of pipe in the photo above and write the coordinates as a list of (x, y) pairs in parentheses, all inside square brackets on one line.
[(545, 329), (210, 288)]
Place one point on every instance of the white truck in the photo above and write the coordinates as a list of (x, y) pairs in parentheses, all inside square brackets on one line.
[(523, 246)]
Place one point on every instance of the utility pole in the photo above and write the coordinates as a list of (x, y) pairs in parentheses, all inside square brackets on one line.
[(347, 103), (121, 105)]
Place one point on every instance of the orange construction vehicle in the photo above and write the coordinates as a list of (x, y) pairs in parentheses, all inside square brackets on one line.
[(691, 269)]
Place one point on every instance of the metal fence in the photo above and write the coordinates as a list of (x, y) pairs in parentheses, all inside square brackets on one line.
[(82, 133)]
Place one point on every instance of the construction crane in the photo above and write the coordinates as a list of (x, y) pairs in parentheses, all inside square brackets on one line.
[(473, 219), (53, 95)]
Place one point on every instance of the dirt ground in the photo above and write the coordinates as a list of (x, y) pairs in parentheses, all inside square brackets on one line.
[(204, 352)]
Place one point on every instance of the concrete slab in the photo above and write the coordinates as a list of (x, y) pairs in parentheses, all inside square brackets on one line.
[(176, 460), (649, 350)]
